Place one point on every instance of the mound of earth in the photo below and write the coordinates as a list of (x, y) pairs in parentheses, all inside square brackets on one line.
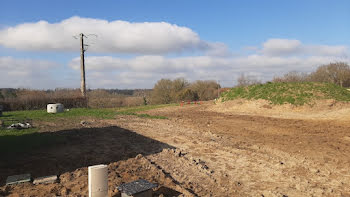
[(321, 109), (298, 93)]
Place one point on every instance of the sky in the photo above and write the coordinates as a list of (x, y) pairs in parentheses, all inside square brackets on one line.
[(141, 42)]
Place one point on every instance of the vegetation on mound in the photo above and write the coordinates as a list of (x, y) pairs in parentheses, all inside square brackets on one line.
[(298, 93)]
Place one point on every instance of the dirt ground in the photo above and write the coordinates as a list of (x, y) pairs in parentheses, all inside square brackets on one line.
[(235, 148)]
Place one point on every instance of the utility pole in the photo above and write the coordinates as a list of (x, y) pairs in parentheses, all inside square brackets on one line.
[(82, 66)]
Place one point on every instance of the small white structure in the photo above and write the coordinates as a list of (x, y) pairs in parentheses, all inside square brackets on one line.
[(98, 181), (55, 108)]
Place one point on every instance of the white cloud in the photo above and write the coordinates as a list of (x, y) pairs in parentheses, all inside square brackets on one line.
[(281, 46), (154, 64), (326, 50), (26, 73), (285, 47), (144, 71), (113, 37)]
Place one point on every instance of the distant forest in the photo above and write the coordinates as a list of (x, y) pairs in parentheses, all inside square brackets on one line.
[(6, 93)]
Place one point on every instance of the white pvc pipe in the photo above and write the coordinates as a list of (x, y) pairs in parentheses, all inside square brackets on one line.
[(98, 181)]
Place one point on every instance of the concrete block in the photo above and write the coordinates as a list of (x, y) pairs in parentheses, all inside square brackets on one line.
[(16, 179), (45, 180), (55, 108)]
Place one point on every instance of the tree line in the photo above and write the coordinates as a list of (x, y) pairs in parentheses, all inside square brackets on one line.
[(336, 73)]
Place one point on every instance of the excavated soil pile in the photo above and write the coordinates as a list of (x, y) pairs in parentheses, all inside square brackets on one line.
[(320, 109)]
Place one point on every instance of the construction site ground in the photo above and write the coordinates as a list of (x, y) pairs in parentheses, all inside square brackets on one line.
[(238, 148)]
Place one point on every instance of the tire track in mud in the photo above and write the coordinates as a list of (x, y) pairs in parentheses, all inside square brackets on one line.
[(191, 173)]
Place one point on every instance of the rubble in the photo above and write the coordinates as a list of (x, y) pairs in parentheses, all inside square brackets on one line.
[(45, 180), (20, 126)]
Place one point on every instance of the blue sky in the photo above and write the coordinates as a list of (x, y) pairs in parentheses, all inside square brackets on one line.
[(225, 39)]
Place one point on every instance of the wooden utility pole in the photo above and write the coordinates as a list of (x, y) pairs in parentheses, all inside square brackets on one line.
[(82, 66)]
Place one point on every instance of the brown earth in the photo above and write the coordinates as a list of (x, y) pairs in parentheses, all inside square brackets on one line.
[(232, 149)]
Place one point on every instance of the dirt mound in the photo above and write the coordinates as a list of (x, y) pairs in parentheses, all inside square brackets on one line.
[(321, 109), (76, 183), (176, 174)]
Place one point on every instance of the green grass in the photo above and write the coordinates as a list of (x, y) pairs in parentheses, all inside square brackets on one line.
[(41, 115), (77, 112), (108, 113), (293, 93), (14, 141)]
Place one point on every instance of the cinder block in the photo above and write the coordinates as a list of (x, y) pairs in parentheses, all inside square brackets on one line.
[(16, 179)]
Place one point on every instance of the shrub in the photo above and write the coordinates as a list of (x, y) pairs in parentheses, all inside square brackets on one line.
[(168, 91), (162, 92), (15, 104), (206, 90), (188, 95)]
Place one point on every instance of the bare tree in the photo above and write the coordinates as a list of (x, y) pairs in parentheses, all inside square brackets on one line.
[(338, 73), (178, 85), (247, 80), (167, 91), (206, 90), (293, 76), (162, 91)]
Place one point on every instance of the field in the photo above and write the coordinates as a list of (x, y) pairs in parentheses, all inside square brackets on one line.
[(236, 148)]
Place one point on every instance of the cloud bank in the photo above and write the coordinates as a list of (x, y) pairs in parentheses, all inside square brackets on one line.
[(27, 73), (150, 44), (112, 37), (285, 47), (273, 57)]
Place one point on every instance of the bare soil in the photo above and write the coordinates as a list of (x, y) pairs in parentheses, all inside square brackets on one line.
[(229, 149)]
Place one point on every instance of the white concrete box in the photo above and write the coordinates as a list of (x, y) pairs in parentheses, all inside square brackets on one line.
[(55, 108), (98, 181)]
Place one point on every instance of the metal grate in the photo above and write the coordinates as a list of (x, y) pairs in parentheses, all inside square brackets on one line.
[(135, 187)]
